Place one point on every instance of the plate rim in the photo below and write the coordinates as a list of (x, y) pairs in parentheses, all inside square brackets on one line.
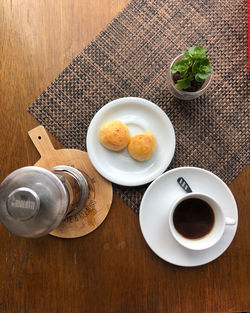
[(149, 104), (234, 204)]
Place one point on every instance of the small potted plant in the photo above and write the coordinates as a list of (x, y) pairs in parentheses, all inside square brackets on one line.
[(190, 73)]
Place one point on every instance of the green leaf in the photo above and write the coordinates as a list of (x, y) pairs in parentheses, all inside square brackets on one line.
[(205, 69), (204, 61), (197, 51), (174, 68), (198, 79), (196, 57), (181, 67), (182, 62), (196, 66), (183, 83), (186, 54), (201, 76), (191, 50), (200, 50)]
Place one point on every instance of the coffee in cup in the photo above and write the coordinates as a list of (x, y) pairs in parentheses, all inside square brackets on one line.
[(197, 221)]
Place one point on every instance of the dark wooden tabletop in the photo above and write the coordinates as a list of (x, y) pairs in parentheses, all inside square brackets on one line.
[(111, 269)]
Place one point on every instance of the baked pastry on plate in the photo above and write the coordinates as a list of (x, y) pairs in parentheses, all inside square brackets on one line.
[(142, 146), (114, 135)]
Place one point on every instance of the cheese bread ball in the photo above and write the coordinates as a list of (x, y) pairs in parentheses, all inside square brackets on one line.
[(114, 135), (142, 146)]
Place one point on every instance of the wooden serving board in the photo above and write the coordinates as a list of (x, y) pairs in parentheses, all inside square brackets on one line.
[(100, 190)]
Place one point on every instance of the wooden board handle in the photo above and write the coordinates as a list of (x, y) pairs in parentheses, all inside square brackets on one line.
[(41, 141)]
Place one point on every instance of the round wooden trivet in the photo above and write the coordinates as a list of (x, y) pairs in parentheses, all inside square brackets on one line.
[(100, 190)]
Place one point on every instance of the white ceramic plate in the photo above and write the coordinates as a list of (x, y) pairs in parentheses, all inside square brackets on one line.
[(139, 115), (154, 211)]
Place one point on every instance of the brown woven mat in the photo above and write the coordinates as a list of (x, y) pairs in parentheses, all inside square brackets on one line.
[(130, 58)]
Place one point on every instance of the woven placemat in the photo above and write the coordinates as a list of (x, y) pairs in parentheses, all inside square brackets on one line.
[(131, 57)]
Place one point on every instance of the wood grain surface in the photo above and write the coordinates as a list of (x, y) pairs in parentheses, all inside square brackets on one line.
[(111, 269)]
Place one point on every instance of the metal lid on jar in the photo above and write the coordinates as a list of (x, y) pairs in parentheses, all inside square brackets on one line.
[(33, 201)]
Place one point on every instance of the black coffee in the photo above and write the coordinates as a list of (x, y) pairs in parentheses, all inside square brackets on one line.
[(193, 218)]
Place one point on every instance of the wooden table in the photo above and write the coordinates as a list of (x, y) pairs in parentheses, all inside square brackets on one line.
[(112, 269)]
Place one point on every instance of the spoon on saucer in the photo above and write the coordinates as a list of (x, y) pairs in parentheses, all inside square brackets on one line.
[(184, 185)]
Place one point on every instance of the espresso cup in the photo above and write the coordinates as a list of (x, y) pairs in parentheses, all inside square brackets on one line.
[(197, 221)]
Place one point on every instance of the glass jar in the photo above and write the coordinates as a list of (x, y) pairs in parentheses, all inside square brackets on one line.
[(34, 200), (182, 94)]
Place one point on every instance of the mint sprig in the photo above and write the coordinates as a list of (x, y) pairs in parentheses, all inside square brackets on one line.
[(194, 66)]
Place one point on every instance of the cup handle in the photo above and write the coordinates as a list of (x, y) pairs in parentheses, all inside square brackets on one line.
[(230, 221)]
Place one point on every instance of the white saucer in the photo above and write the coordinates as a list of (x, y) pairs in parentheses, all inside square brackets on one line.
[(139, 115), (154, 215)]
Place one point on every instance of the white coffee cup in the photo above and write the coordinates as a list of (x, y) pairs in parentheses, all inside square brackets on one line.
[(217, 230)]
